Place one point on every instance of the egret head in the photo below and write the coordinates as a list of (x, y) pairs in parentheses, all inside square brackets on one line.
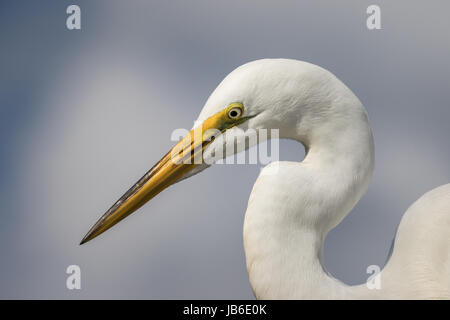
[(293, 97)]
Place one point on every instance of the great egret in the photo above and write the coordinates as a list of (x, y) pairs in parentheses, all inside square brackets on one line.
[(293, 205)]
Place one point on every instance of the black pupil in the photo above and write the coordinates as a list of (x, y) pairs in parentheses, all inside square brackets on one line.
[(233, 113)]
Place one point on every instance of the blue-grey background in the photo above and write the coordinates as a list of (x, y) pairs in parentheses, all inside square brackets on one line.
[(85, 113)]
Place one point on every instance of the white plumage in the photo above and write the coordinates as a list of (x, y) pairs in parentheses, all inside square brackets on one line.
[(293, 205)]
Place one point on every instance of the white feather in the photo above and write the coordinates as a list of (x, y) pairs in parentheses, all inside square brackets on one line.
[(293, 205)]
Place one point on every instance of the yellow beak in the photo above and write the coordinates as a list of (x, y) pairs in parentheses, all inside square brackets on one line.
[(180, 160)]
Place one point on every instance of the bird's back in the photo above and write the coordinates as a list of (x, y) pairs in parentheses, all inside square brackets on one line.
[(420, 264)]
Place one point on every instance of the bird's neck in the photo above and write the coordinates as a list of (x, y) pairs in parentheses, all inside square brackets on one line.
[(294, 205)]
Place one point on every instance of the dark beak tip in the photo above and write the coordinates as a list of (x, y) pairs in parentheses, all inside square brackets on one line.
[(88, 237)]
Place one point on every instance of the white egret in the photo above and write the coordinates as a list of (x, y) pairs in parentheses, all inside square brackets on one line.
[(293, 205)]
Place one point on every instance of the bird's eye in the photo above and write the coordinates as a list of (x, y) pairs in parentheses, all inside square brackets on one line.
[(234, 113)]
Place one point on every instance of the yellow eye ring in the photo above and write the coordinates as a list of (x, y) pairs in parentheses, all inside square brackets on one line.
[(235, 113)]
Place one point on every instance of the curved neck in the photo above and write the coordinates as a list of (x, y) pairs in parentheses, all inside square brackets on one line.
[(293, 206)]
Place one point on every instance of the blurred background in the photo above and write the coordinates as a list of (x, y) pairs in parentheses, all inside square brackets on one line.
[(84, 113)]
